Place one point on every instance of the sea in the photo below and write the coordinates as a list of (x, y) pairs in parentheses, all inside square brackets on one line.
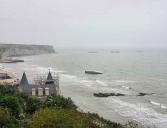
[(129, 72)]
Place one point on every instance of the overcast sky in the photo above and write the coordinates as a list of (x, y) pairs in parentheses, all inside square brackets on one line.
[(85, 23)]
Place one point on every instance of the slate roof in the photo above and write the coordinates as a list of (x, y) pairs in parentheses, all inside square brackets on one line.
[(24, 80), (49, 76)]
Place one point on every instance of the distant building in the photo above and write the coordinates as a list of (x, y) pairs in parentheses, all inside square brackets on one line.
[(45, 88), (5, 79)]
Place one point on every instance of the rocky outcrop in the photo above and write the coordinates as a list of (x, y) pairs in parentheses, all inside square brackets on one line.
[(119, 94), (9, 50), (107, 94)]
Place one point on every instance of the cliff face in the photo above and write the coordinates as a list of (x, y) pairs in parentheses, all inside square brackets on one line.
[(9, 50)]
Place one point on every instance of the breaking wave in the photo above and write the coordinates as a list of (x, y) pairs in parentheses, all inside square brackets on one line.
[(101, 83), (141, 112), (158, 104)]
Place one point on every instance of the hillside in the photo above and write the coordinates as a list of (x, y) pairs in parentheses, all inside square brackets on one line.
[(9, 50), (18, 110)]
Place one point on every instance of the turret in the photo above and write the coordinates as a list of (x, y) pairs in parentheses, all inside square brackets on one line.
[(49, 76), (50, 79), (24, 80)]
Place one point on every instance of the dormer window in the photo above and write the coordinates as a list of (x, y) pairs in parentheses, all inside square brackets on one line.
[(33, 92), (47, 91), (40, 91)]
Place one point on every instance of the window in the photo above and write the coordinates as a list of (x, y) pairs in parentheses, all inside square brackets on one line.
[(47, 91), (40, 91), (33, 91)]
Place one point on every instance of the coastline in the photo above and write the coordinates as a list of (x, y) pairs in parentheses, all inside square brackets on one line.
[(69, 90), (129, 123), (38, 70), (81, 109)]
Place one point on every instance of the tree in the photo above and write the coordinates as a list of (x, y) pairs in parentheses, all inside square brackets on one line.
[(12, 91), (3, 90), (6, 121), (12, 103), (59, 102), (32, 104), (4, 116)]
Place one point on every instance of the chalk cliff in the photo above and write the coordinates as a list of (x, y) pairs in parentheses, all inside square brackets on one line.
[(9, 50)]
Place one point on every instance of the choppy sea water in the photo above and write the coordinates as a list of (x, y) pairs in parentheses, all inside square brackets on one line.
[(126, 72)]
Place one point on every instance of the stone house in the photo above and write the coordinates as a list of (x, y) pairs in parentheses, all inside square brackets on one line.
[(50, 86)]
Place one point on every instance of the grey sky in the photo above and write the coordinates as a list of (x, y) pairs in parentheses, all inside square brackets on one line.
[(85, 23)]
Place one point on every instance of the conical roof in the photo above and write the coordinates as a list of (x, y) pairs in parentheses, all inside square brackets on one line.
[(24, 80), (49, 76)]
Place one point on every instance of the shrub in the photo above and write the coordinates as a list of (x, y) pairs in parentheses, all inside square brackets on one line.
[(67, 118), (58, 118), (99, 122), (59, 102), (12, 103), (11, 91), (32, 104), (6, 121), (3, 90), (4, 116)]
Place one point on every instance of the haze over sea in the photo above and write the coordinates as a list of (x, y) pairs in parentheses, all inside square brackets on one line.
[(127, 72)]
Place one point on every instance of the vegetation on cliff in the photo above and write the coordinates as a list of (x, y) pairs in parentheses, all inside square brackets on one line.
[(17, 110)]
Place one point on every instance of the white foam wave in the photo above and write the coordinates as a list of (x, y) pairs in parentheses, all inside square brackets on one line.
[(158, 104), (69, 76), (2, 66), (122, 82), (141, 112), (155, 103), (101, 82), (79, 80), (163, 106), (41, 69), (126, 87), (45, 69)]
